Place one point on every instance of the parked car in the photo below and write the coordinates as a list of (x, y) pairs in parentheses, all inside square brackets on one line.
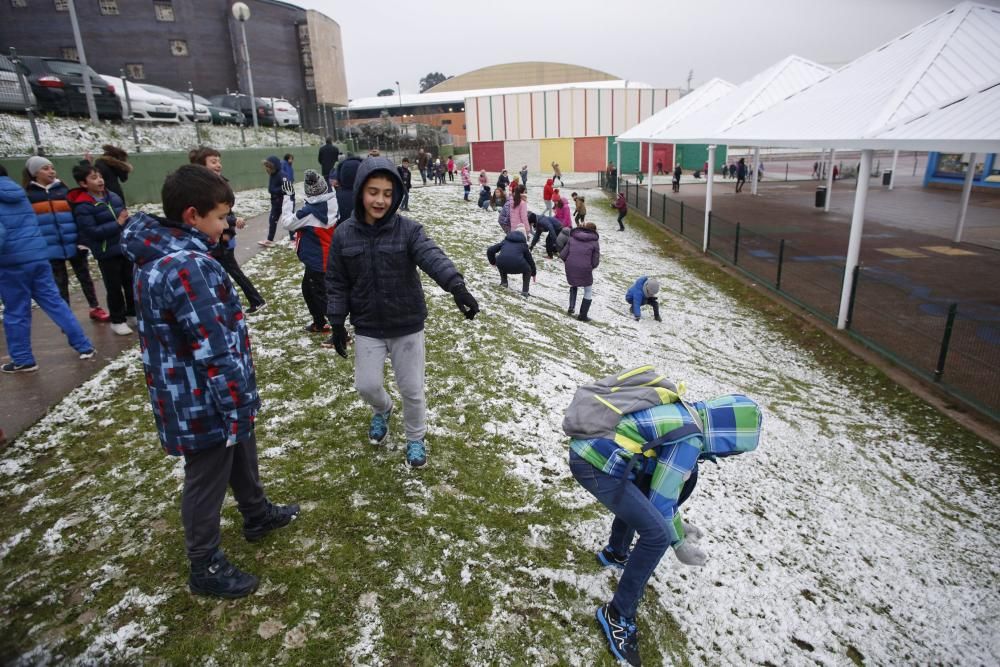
[(241, 102), (221, 115), (11, 95), (58, 86), (201, 113), (285, 112), (146, 106)]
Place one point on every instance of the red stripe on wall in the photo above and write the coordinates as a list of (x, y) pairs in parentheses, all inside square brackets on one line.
[(505, 134), (531, 107)]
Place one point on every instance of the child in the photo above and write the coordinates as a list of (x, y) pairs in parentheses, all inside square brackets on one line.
[(503, 218), (524, 176), (622, 207), (313, 227), (483, 179), (288, 176), (675, 182), (512, 255), (466, 181), (484, 198), (642, 293), (548, 225), (272, 165), (561, 206), (99, 216), (581, 254), (498, 199), (225, 250), (503, 180), (581, 209), (200, 372), (372, 277), (26, 275), (407, 177), (557, 174), (518, 214), (645, 492), (451, 170), (547, 196)]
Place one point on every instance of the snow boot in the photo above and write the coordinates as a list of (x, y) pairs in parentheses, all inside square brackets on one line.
[(584, 309), (275, 517), (572, 301), (217, 577)]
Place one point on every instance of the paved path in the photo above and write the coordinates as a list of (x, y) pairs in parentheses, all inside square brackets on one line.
[(25, 398)]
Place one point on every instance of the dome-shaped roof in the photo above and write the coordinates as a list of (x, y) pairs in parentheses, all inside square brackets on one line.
[(521, 74)]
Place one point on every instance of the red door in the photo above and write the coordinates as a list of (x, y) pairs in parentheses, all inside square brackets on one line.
[(487, 155)]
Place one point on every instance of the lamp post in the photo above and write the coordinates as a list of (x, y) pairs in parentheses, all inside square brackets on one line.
[(88, 89), (242, 14)]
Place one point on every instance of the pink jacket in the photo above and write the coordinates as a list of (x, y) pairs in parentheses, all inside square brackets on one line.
[(562, 213), (483, 180), (465, 176), (519, 219), (451, 165)]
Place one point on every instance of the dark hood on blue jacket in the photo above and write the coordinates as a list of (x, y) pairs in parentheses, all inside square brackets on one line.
[(383, 167)]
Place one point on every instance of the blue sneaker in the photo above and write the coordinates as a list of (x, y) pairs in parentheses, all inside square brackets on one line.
[(609, 558), (416, 456), (622, 634), (379, 427)]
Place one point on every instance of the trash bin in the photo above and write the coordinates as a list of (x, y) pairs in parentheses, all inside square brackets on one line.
[(887, 177), (821, 196)]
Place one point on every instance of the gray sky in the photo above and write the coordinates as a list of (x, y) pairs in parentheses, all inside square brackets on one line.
[(654, 41)]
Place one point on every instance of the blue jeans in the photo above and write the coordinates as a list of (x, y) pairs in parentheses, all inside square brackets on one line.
[(634, 513), (405, 204), (18, 286)]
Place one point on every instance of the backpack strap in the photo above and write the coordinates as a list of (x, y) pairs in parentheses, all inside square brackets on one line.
[(674, 435)]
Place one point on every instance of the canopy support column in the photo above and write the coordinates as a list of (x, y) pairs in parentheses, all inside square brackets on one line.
[(970, 174), (649, 185), (708, 196), (756, 169), (618, 171), (892, 176), (854, 244), (829, 184)]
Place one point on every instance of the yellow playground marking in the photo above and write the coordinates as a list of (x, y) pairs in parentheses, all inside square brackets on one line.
[(905, 253), (948, 250)]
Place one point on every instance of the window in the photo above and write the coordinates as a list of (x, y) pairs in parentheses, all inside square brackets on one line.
[(109, 7), (69, 53), (164, 11), (18, 3), (62, 5), (135, 71), (179, 47)]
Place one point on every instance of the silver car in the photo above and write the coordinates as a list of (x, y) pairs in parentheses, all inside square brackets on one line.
[(11, 95), (183, 102)]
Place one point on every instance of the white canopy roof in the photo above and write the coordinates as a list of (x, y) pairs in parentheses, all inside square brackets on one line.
[(936, 63), (696, 100), (763, 91)]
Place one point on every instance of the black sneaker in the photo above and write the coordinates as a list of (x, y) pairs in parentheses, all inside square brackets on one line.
[(276, 516), (217, 577), (609, 558), (14, 368), (622, 634)]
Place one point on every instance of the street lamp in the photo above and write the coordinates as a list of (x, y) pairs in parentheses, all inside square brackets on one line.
[(242, 14), (399, 91)]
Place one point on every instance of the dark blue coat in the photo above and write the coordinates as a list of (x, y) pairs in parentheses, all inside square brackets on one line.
[(276, 178), (512, 255), (98, 222), (346, 175), (55, 219), (371, 273), (21, 241)]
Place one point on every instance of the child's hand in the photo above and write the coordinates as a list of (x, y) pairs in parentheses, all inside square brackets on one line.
[(691, 555), (123, 216), (240, 223), (288, 188)]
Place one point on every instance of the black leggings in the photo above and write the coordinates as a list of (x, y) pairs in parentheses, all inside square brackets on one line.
[(314, 294), (227, 258), (82, 271), (621, 216), (117, 274), (525, 281)]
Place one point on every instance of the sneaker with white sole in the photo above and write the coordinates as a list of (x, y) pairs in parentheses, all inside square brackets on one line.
[(416, 454), (379, 427), (608, 558), (121, 328), (88, 354), (621, 633), (15, 368)]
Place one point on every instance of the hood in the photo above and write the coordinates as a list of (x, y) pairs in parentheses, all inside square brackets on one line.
[(274, 162), (516, 236), (731, 424), (147, 238), (581, 234), (120, 165), (80, 196), (326, 196), (348, 173), (10, 192), (368, 167)]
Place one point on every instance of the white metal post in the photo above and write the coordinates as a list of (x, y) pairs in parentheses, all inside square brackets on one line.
[(649, 185), (854, 244), (88, 88), (246, 56), (970, 174), (708, 195), (753, 176), (618, 171), (829, 184), (892, 176)]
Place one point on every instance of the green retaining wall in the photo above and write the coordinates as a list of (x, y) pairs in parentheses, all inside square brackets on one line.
[(694, 156), (242, 166)]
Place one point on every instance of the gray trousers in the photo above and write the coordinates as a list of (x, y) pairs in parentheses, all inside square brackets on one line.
[(206, 475), (406, 354)]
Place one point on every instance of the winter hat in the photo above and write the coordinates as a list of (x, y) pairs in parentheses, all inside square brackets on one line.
[(651, 287), (36, 162), (315, 184)]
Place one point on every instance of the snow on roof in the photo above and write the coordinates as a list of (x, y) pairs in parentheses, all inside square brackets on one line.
[(458, 97), (697, 99), (761, 92), (940, 60)]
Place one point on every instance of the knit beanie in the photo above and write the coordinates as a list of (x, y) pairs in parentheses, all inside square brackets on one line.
[(315, 184), (36, 162), (651, 287)]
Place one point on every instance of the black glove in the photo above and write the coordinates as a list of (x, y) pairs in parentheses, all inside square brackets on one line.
[(465, 301), (339, 337)]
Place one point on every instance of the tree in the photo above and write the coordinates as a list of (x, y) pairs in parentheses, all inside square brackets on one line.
[(386, 92), (431, 80)]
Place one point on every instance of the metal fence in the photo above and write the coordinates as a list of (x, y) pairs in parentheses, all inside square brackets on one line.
[(955, 345)]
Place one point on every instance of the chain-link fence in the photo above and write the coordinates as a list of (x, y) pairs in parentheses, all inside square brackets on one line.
[(956, 345)]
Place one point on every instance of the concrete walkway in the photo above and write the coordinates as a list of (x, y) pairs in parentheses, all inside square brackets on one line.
[(25, 398)]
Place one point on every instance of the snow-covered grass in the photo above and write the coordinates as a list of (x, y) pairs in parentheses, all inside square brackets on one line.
[(74, 136), (863, 530)]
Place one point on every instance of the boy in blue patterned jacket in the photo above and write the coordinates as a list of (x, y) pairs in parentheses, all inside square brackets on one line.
[(635, 447), (199, 371)]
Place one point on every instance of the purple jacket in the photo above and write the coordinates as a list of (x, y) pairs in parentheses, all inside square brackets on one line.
[(582, 255)]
